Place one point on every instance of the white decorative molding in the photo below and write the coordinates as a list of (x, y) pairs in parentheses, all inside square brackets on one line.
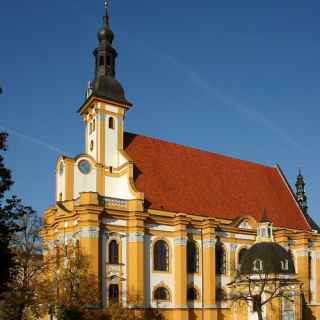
[(209, 243), (114, 222), (245, 236), (91, 233), (181, 306), (210, 306), (101, 117), (245, 225), (194, 231), (233, 246), (302, 253), (291, 242), (223, 234), (135, 237), (317, 254), (159, 227), (180, 241)]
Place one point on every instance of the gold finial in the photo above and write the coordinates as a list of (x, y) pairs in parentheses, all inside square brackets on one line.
[(106, 6)]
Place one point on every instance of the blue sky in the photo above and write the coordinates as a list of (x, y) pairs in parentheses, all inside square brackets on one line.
[(239, 78)]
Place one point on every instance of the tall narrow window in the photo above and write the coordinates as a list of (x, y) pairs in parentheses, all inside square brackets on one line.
[(292, 258), (220, 258), (108, 61), (192, 257), (192, 294), (113, 252), (220, 294), (114, 293), (161, 256), (257, 265), (309, 265), (242, 253), (101, 61), (111, 123)]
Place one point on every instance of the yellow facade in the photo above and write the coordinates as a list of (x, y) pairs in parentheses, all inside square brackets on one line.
[(97, 203), (88, 219), (95, 217)]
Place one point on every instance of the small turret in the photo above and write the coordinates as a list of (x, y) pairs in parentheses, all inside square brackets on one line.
[(300, 193), (264, 229)]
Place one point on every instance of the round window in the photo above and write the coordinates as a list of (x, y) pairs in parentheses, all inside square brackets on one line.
[(61, 168), (84, 166)]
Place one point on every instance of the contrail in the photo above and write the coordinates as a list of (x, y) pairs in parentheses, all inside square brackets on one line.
[(32, 140), (227, 100)]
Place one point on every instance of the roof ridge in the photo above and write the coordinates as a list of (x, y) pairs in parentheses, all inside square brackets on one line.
[(272, 167)]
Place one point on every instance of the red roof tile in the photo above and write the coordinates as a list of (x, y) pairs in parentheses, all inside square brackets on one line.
[(182, 179)]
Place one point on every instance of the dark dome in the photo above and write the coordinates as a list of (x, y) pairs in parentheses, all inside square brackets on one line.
[(105, 34), (109, 88), (274, 259)]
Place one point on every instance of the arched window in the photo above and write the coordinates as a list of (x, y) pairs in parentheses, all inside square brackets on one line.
[(192, 294), (284, 265), (220, 259), (113, 252), (108, 61), (242, 253), (220, 294), (111, 123), (192, 257), (291, 255), (114, 293), (161, 294), (309, 265), (161, 256), (257, 265), (101, 61)]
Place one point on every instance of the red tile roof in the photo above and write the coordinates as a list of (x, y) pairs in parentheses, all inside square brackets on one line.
[(182, 179)]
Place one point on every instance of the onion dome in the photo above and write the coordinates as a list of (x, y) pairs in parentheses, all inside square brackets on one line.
[(105, 33), (105, 85), (267, 258)]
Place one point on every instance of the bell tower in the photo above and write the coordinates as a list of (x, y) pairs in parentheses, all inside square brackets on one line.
[(105, 106)]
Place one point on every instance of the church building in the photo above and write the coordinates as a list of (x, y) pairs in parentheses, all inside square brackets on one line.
[(166, 226)]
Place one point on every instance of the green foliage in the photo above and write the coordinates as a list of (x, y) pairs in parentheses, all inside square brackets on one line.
[(8, 226)]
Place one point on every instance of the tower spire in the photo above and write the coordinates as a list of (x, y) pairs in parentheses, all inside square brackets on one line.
[(106, 7), (104, 84), (300, 192)]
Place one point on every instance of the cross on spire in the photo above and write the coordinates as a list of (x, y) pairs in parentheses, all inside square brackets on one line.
[(107, 7)]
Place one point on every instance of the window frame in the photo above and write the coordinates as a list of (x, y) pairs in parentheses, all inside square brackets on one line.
[(157, 261), (113, 259)]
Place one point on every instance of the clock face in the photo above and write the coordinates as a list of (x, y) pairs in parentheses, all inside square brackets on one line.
[(61, 168), (84, 166)]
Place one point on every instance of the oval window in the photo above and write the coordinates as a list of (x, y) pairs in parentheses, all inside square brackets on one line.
[(84, 166)]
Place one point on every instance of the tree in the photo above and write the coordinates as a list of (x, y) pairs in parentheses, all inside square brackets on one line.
[(72, 290), (258, 289), (8, 227), (22, 296)]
